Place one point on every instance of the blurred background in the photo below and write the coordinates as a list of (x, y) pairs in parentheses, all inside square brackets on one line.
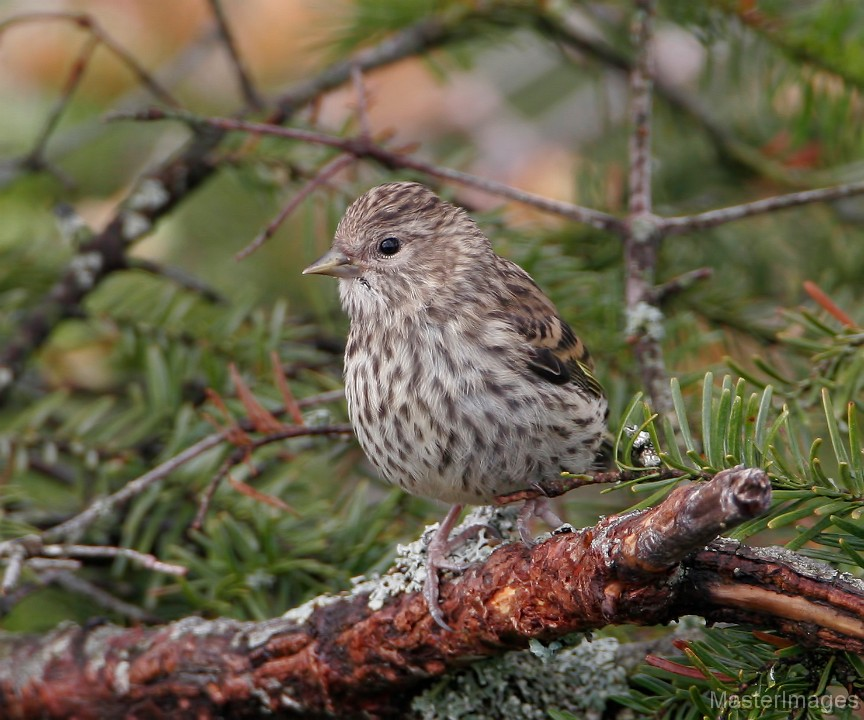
[(753, 100)]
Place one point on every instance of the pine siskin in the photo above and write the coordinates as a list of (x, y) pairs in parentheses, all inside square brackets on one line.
[(463, 382)]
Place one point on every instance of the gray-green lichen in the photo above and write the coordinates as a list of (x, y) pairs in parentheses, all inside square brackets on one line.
[(578, 679), (409, 567)]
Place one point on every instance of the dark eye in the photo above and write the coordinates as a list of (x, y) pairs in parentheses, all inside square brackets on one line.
[(389, 246)]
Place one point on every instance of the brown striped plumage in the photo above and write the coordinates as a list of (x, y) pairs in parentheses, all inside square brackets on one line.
[(462, 380)]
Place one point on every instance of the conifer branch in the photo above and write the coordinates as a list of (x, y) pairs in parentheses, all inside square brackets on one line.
[(338, 656), (362, 147)]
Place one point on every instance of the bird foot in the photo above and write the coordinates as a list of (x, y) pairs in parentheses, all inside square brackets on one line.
[(538, 507), (440, 545)]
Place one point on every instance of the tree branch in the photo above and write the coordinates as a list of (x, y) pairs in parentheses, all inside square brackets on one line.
[(337, 656), (361, 147), (247, 88), (641, 242), (712, 218)]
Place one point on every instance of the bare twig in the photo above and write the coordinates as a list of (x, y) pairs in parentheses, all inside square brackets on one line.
[(36, 158), (359, 147), (75, 526), (322, 398), (242, 453), (644, 319), (250, 93), (413, 40), (641, 83), (78, 585), (321, 177), (772, 27), (145, 560), (712, 218), (681, 282), (362, 101), (179, 277), (17, 556), (727, 145), (207, 496), (563, 485), (87, 23)]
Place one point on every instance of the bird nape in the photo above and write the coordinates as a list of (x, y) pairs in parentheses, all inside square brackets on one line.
[(463, 382)]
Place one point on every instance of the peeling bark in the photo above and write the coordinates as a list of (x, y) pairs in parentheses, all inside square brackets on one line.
[(336, 657)]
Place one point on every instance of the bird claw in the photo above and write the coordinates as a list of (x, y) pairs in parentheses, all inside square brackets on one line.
[(436, 559), (430, 592), (537, 507)]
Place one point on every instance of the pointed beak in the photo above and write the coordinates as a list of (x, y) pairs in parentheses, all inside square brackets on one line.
[(336, 264)]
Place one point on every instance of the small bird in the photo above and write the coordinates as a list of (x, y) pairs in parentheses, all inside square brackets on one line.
[(463, 382)]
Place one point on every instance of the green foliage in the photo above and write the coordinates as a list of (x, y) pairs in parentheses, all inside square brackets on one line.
[(814, 455), (743, 678)]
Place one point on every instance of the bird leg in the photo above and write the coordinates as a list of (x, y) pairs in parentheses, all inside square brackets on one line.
[(440, 545), (436, 559), (537, 507)]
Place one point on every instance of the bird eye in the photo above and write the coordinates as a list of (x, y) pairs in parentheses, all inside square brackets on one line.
[(389, 246)]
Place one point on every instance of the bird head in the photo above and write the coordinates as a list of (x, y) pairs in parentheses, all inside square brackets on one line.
[(400, 245)]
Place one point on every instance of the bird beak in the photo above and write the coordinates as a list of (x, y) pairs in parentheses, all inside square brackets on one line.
[(336, 264)]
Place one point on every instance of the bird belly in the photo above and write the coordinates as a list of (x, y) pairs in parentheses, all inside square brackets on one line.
[(458, 423)]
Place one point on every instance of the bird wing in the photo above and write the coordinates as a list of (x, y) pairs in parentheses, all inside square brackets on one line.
[(555, 353)]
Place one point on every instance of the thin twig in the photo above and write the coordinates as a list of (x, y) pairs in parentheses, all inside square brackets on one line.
[(321, 398), (241, 453), (681, 282), (43, 565), (17, 556), (75, 526), (411, 41), (774, 29), (76, 584), (250, 93), (145, 560), (712, 218), (728, 147), (87, 23), (209, 492), (35, 159), (321, 177), (362, 101), (563, 485), (360, 147), (179, 277)]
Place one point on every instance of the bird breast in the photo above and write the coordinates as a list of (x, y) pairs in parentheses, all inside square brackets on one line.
[(445, 407)]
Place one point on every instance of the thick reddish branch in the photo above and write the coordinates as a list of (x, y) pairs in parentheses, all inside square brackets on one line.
[(343, 659)]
